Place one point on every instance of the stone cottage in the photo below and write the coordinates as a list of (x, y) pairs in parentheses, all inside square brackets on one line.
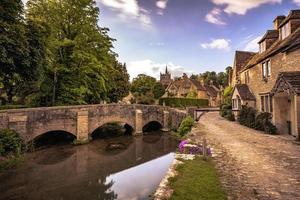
[(269, 80), (186, 86)]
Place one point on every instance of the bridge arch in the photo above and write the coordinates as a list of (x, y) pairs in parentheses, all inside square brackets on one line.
[(95, 124), (152, 126), (53, 137)]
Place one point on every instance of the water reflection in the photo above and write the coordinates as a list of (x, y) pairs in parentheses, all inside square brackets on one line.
[(92, 171)]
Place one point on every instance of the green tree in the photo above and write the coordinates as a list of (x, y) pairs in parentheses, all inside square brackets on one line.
[(158, 90), (79, 52), (118, 85), (14, 53), (146, 89)]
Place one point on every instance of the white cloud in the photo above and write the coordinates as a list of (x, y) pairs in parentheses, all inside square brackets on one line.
[(252, 45), (217, 44), (214, 16), (129, 9), (297, 2), (153, 69), (242, 6), (24, 2), (161, 5)]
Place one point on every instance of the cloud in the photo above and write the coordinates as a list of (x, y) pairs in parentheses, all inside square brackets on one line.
[(129, 9), (241, 7), (161, 5), (217, 44), (252, 45), (154, 69), (214, 16), (297, 2)]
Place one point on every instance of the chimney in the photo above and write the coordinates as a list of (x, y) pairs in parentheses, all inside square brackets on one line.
[(277, 21)]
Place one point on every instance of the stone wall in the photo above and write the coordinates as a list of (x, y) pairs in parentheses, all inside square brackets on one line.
[(279, 63)]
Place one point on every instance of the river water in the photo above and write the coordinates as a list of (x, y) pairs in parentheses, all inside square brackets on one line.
[(92, 171)]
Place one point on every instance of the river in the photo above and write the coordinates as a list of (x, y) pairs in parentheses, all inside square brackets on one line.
[(92, 171)]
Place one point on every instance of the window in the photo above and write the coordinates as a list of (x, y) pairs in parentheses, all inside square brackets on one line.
[(247, 77), (266, 103), (262, 47), (285, 31), (266, 69), (262, 103)]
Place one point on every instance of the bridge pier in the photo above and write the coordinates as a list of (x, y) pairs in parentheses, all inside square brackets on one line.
[(138, 122), (82, 126), (166, 121)]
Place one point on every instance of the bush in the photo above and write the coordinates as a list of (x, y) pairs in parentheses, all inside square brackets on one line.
[(260, 121), (10, 142), (226, 112), (183, 102), (246, 116), (186, 126), (263, 123)]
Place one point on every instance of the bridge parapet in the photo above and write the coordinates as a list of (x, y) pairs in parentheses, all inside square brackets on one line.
[(81, 121)]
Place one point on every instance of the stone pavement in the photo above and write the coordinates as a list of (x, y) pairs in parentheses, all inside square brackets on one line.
[(252, 165)]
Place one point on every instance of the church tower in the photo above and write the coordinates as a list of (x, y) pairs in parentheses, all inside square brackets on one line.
[(165, 79)]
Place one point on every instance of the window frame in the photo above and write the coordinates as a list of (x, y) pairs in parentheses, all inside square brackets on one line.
[(266, 69)]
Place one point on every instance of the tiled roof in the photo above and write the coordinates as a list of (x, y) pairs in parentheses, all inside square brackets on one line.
[(241, 59), (197, 84), (244, 92), (287, 80), (294, 14), (270, 34), (211, 91), (291, 41)]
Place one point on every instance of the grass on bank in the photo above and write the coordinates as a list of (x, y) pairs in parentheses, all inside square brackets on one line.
[(197, 180)]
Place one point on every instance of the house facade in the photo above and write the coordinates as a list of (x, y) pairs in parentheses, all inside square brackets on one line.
[(185, 87), (269, 80)]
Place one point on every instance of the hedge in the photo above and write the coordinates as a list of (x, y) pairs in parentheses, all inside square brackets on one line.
[(183, 102)]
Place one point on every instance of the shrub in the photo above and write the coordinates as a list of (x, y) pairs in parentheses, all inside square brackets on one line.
[(260, 121), (263, 123), (186, 126), (226, 112), (10, 142), (246, 116), (183, 102)]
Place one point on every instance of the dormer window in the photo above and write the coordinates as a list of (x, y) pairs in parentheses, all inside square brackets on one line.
[(262, 47), (266, 69), (285, 31)]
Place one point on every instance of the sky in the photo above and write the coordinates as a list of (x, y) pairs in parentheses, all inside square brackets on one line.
[(191, 36)]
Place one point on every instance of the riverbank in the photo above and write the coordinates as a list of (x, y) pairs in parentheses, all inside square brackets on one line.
[(7, 163), (191, 177)]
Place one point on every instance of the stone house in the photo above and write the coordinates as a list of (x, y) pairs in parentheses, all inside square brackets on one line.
[(184, 86), (269, 80)]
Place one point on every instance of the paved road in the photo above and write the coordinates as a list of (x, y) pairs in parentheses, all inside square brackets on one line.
[(252, 165)]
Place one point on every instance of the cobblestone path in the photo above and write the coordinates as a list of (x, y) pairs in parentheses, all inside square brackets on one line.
[(252, 165)]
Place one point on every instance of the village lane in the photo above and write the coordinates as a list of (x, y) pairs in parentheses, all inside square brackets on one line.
[(252, 165)]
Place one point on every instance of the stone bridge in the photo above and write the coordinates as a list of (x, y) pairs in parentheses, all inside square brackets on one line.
[(82, 121)]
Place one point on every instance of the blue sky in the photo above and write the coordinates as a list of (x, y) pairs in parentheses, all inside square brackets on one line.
[(188, 35)]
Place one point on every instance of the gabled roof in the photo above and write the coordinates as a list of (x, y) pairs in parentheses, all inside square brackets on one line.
[(241, 58), (211, 91), (294, 14), (244, 92), (287, 81), (279, 46), (197, 84), (270, 34)]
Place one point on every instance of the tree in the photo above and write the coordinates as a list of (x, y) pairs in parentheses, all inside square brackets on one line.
[(146, 89), (79, 52), (14, 53), (158, 90), (118, 85)]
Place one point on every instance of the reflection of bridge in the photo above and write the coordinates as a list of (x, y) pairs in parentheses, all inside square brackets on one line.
[(80, 173), (81, 121)]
